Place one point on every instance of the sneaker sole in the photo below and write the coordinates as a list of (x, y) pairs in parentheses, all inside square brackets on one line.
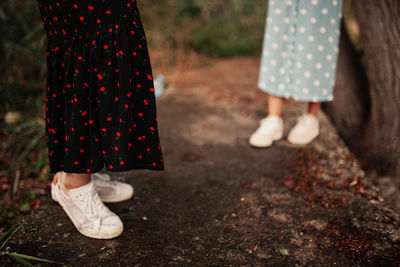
[(88, 233)]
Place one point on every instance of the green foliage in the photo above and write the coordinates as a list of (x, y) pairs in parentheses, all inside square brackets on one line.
[(9, 212), (22, 46), (22, 83), (217, 28), (25, 149), (24, 138)]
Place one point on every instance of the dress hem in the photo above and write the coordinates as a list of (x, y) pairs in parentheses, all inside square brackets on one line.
[(285, 96), (96, 170)]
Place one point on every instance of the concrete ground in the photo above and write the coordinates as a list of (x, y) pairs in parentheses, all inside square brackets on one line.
[(221, 202)]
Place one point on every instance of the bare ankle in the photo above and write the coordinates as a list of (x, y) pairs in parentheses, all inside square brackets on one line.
[(70, 181)]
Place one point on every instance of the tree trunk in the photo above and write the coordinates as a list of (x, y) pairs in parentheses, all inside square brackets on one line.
[(368, 117), (350, 111)]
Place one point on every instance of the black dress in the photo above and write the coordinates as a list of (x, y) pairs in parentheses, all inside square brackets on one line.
[(100, 103)]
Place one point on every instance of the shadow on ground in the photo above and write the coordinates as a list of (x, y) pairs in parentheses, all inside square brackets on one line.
[(220, 202)]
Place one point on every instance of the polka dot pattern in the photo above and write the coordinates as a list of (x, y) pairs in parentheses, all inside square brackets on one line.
[(100, 103), (300, 49)]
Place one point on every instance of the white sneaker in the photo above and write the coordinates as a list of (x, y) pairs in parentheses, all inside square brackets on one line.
[(111, 191), (305, 131), (270, 130), (86, 211)]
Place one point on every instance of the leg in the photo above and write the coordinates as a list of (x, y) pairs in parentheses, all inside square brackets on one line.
[(74, 180), (313, 108), (275, 105)]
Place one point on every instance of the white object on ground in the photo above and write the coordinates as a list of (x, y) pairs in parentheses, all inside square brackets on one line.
[(111, 191), (270, 130), (159, 85), (86, 210), (305, 131), (12, 117)]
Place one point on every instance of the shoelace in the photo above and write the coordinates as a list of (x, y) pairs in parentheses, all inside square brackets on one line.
[(92, 207)]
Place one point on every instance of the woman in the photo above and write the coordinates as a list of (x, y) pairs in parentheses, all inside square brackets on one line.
[(100, 107), (299, 61)]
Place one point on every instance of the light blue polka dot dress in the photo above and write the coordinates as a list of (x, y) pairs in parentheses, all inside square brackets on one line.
[(300, 49)]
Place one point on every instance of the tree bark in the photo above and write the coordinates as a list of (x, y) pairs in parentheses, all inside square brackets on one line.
[(350, 111), (368, 117)]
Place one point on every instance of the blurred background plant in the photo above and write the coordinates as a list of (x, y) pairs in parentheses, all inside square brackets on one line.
[(22, 145), (222, 28)]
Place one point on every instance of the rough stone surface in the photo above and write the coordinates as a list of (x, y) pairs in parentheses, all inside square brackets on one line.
[(223, 203)]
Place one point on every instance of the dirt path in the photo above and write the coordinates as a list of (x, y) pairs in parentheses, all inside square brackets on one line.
[(222, 203)]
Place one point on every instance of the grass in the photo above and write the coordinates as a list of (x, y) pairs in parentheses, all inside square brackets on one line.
[(216, 28), (18, 257), (22, 82)]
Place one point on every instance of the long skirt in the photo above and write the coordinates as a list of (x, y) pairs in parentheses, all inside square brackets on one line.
[(100, 103), (300, 49)]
